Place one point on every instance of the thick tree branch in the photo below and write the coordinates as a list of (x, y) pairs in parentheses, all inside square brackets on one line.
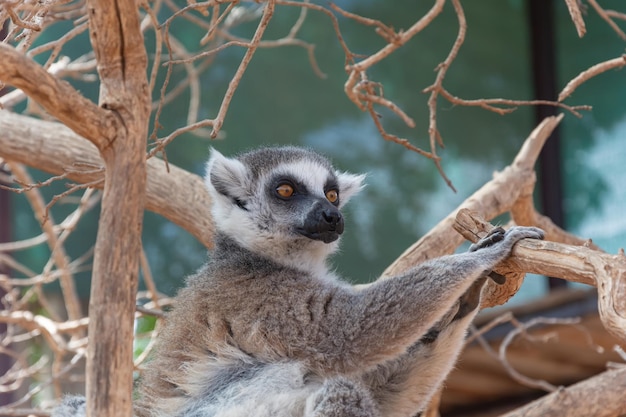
[(600, 396), (57, 97), (53, 148), (573, 263)]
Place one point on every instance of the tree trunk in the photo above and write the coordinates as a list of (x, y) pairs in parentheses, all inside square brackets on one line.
[(122, 64)]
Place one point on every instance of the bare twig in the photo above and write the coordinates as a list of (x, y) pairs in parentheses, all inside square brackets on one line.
[(491, 103), (577, 17), (58, 251), (590, 73), (522, 328), (604, 15), (243, 65)]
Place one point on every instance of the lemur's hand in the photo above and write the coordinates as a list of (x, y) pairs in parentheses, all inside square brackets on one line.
[(497, 234)]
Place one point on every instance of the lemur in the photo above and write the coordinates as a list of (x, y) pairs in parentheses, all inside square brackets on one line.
[(265, 329)]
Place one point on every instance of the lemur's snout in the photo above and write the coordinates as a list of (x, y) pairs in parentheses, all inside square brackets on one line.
[(324, 222), (333, 218)]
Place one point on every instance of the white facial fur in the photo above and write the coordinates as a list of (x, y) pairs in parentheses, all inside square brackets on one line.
[(262, 228)]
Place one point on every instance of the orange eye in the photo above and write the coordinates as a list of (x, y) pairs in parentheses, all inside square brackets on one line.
[(285, 190), (332, 196)]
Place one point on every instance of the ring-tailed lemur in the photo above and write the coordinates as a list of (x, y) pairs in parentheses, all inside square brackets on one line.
[(266, 330)]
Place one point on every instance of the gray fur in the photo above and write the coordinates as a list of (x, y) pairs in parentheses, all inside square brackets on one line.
[(265, 330)]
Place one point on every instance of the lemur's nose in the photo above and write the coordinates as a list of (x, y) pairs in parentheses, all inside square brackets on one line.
[(332, 216)]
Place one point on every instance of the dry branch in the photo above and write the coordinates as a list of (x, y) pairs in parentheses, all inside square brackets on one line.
[(577, 17), (54, 148), (604, 15), (57, 97), (122, 62), (573, 263), (599, 396), (243, 65), (586, 75), (56, 245)]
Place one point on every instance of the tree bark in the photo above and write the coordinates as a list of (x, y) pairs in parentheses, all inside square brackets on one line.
[(57, 97), (122, 65)]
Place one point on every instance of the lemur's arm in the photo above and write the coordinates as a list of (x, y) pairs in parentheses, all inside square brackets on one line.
[(405, 385), (352, 331)]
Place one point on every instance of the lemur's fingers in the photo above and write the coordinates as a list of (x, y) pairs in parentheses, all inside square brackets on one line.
[(513, 235), (495, 235), (521, 232)]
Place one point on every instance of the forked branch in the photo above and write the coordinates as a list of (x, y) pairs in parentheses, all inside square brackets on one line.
[(57, 97)]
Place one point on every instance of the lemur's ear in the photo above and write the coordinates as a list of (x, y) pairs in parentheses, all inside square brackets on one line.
[(349, 185), (226, 176)]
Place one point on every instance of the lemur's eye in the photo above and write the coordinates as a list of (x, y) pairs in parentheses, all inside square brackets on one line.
[(285, 190), (332, 196)]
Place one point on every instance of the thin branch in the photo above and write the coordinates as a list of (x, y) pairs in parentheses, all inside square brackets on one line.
[(442, 69), (26, 186), (590, 73), (401, 38), (59, 255), (335, 23), (47, 327), (147, 278), (234, 82), (158, 44), (577, 17), (215, 21), (522, 328), (15, 19), (607, 19), (615, 14), (26, 243), (57, 44), (490, 103), (162, 143), (193, 80)]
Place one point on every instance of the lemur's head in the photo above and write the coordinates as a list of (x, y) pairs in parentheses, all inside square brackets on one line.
[(284, 202)]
